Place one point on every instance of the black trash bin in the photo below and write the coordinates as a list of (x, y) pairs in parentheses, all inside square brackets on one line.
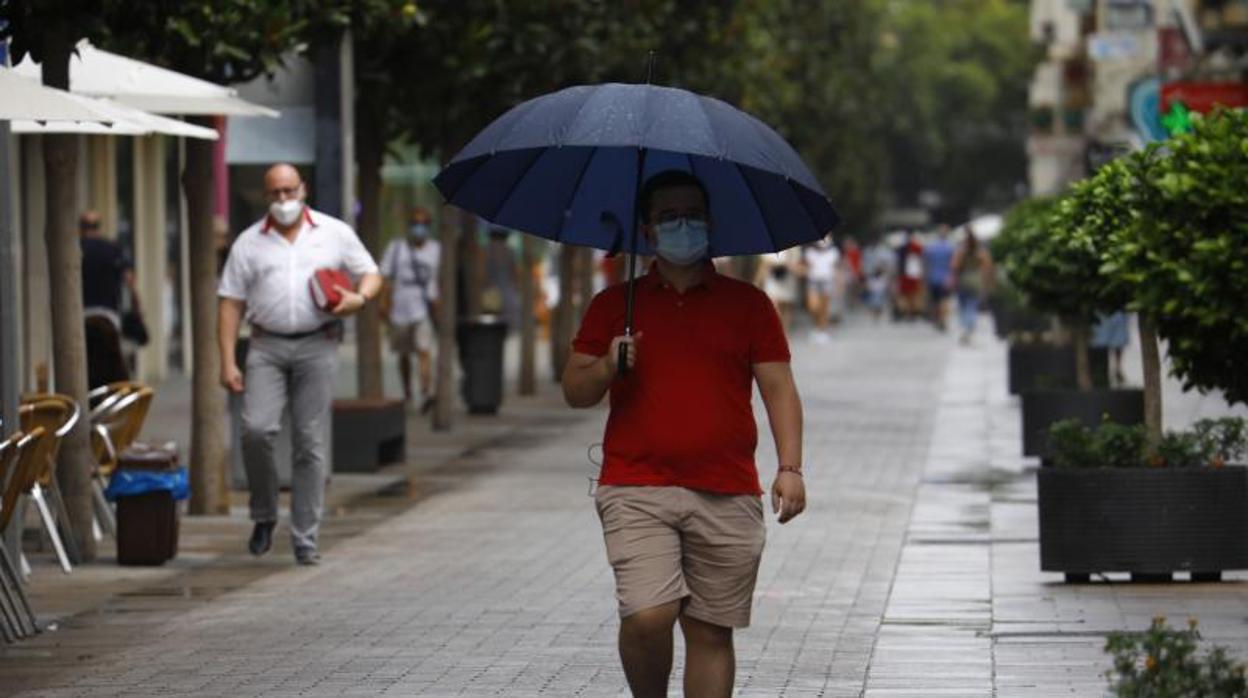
[(481, 340)]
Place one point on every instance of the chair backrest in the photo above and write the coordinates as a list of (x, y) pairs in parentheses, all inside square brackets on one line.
[(138, 415), (8, 454), (57, 414), (103, 398), (30, 454), (113, 429), (45, 409)]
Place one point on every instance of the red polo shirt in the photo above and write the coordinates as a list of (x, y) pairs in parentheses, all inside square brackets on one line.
[(683, 417)]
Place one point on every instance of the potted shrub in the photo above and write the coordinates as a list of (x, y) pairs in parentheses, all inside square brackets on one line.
[(1186, 254), (1040, 359), (1058, 266), (1012, 319), (1110, 506)]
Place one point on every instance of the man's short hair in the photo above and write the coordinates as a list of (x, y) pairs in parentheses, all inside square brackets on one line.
[(668, 179)]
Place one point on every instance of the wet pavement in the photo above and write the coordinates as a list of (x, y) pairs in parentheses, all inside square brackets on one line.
[(478, 568)]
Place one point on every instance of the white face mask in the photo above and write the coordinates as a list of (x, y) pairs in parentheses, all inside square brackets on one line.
[(286, 212)]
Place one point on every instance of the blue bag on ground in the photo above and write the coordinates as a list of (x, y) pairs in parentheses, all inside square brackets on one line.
[(128, 482)]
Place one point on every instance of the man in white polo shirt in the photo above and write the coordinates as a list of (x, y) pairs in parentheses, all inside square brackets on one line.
[(292, 356)]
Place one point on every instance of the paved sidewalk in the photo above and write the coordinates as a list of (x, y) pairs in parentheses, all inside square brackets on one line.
[(914, 572), (971, 614), (499, 585)]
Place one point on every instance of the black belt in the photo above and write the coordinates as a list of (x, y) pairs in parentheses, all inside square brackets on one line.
[(332, 327)]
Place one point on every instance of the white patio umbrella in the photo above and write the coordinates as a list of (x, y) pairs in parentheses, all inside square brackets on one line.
[(26, 99), (124, 121), (99, 73)]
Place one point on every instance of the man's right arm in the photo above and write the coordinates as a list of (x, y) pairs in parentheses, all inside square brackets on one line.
[(229, 316), (586, 378)]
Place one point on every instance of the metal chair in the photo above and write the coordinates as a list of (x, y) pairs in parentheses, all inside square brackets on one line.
[(115, 424), (20, 458), (57, 414)]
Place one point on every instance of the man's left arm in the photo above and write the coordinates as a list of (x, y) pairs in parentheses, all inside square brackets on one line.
[(784, 411), (358, 261)]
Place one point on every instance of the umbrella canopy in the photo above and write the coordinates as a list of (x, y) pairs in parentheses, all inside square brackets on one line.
[(123, 121), (99, 73), (567, 166), (27, 99)]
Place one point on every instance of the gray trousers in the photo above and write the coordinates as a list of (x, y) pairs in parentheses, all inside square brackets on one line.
[(299, 373)]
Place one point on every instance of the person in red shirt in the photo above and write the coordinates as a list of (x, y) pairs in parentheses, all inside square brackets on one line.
[(910, 278), (679, 495)]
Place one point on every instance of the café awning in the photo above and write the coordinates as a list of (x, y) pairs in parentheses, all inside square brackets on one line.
[(26, 99), (99, 73), (121, 121)]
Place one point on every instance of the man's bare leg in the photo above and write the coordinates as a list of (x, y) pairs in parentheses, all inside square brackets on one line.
[(405, 370), (710, 661), (426, 372), (646, 649)]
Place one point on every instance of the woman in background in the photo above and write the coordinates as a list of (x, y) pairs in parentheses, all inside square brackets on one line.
[(972, 279)]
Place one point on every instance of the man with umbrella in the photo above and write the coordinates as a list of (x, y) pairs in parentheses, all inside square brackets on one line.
[(679, 496), (601, 165)]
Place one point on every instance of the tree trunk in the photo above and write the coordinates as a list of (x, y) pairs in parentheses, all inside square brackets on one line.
[(369, 155), (69, 344), (207, 461), (528, 320), (1083, 362), (1150, 354), (473, 262), (449, 223)]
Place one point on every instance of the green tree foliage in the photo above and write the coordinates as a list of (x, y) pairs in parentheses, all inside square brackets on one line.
[(1023, 222), (953, 79), (1055, 256), (1188, 257), (223, 41), (877, 96)]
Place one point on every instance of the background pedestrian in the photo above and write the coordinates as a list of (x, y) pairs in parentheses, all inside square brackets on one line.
[(937, 265), (409, 302), (293, 353), (972, 264), (909, 290), (777, 275), (108, 283), (820, 262)]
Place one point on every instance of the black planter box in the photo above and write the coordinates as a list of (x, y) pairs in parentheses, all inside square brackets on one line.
[(1042, 409), (1147, 521), (1040, 365), (368, 434)]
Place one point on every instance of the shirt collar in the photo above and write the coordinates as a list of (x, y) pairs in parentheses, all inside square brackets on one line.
[(710, 277), (307, 219)]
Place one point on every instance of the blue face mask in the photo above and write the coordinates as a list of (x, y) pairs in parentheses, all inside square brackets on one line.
[(682, 241), (418, 231)]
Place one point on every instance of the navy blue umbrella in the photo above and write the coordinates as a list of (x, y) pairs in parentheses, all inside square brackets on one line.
[(567, 167)]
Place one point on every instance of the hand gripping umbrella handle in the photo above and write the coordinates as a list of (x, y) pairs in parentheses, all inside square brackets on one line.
[(621, 358)]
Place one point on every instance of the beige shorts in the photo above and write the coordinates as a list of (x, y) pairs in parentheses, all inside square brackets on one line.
[(669, 543), (416, 337)]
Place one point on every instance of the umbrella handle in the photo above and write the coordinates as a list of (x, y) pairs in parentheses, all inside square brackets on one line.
[(621, 358)]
